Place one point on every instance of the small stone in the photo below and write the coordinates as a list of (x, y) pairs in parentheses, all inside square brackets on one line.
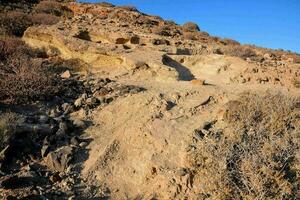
[(43, 119), (78, 102), (71, 197), (65, 106), (84, 96), (55, 113), (198, 82), (45, 150), (79, 123), (55, 178), (83, 144), (62, 129), (66, 74), (75, 141), (182, 171), (91, 101)]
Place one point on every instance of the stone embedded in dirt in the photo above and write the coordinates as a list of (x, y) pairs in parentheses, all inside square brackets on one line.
[(43, 119), (67, 108), (59, 159), (92, 101), (75, 141), (66, 74), (135, 39), (62, 129), (79, 123), (79, 102), (3, 156), (197, 82), (45, 150), (102, 92), (83, 144), (43, 129), (55, 178), (160, 42), (55, 112)]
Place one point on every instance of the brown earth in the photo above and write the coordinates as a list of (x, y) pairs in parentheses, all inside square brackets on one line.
[(141, 144)]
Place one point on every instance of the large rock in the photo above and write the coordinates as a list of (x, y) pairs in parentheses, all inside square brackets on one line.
[(59, 160)]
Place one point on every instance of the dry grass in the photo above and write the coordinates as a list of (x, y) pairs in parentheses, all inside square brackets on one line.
[(228, 41), (259, 158), (163, 30), (15, 22), (24, 77), (239, 51), (53, 8), (8, 124)]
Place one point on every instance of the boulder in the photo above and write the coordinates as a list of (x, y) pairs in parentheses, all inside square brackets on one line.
[(60, 159), (190, 26)]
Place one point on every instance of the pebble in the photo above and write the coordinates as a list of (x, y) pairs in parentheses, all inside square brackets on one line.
[(83, 144)]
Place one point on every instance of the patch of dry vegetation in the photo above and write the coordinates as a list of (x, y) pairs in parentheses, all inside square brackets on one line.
[(23, 76), (16, 22), (260, 158), (53, 8), (243, 52), (8, 124)]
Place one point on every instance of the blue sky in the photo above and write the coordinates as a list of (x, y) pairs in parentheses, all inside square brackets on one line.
[(267, 23)]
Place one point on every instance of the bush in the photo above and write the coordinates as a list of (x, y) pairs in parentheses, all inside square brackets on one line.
[(190, 36), (23, 77), (105, 4), (190, 27), (161, 30), (128, 8), (53, 8), (14, 23), (227, 41), (43, 18), (8, 124), (258, 157), (239, 51)]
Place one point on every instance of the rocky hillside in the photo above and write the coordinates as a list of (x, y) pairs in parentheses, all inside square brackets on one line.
[(104, 102)]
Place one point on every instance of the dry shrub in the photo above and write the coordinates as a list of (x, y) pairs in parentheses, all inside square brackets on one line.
[(190, 27), (128, 8), (162, 30), (8, 124), (23, 77), (227, 41), (43, 18), (190, 36), (105, 4), (14, 23), (239, 51), (53, 8), (258, 157)]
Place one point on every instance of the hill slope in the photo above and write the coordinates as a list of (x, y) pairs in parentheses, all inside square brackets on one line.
[(148, 109)]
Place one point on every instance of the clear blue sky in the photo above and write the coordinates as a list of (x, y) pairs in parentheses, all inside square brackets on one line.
[(267, 23)]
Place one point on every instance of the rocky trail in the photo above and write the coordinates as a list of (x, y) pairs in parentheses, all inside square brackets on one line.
[(137, 113)]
